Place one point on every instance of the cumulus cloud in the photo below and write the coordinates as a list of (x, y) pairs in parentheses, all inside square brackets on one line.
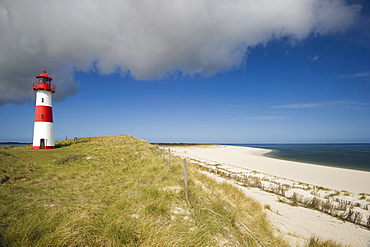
[(147, 39)]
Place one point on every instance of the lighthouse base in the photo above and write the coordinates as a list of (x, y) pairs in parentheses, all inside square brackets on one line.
[(43, 136), (46, 147)]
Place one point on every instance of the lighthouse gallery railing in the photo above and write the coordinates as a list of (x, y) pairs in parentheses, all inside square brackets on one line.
[(43, 86)]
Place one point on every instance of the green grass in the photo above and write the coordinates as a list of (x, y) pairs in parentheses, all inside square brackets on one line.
[(362, 197), (118, 191), (337, 193), (322, 188)]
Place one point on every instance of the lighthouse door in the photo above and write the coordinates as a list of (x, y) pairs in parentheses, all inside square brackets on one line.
[(42, 143)]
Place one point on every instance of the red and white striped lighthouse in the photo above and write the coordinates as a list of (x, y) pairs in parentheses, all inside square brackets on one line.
[(43, 130)]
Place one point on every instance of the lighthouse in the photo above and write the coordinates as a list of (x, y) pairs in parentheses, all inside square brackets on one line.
[(43, 130)]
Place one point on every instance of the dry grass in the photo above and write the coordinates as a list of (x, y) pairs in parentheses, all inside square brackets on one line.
[(317, 242)]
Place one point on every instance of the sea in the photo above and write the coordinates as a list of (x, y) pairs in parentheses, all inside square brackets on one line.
[(354, 156), (4, 144)]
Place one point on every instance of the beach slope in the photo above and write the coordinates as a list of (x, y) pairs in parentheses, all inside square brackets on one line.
[(239, 158), (329, 185)]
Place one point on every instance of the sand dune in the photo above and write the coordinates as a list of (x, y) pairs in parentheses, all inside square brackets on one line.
[(296, 223)]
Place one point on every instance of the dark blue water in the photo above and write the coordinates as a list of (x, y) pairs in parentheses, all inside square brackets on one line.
[(351, 156), (13, 144)]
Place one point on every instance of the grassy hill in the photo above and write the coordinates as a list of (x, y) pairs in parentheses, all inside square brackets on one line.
[(119, 191)]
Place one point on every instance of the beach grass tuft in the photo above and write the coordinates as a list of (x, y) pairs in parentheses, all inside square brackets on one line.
[(317, 242)]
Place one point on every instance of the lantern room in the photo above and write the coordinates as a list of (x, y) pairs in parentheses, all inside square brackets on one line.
[(43, 83)]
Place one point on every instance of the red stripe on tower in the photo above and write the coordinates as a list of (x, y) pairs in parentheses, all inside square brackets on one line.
[(44, 114)]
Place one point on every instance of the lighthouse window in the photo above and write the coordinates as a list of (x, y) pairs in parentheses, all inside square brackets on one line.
[(42, 100), (42, 116)]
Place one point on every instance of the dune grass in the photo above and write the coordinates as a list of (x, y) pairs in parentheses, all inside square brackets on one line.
[(317, 242), (118, 191)]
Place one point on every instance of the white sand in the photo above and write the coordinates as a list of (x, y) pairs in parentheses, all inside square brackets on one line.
[(296, 223), (252, 159)]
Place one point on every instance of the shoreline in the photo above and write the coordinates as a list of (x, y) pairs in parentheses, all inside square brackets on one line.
[(251, 158), (285, 152), (11, 144), (289, 191)]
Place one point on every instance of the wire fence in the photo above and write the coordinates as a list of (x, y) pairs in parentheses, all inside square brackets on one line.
[(191, 171), (227, 209)]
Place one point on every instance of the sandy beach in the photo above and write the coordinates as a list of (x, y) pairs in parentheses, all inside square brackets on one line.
[(305, 181), (253, 159)]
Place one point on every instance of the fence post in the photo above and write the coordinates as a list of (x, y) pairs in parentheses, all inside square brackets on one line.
[(169, 158), (186, 181)]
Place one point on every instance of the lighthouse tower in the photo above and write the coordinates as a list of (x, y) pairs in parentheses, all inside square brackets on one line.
[(43, 131)]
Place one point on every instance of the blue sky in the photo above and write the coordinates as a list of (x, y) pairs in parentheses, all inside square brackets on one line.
[(288, 89)]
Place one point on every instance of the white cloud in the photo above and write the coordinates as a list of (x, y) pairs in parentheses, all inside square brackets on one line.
[(147, 39), (343, 104), (262, 118), (364, 74), (314, 59)]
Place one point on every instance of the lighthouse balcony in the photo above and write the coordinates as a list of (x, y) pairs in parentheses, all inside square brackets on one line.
[(43, 86)]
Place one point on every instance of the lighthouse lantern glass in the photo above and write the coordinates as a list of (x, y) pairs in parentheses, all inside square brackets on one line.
[(43, 80)]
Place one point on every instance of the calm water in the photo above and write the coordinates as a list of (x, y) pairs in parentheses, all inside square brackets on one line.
[(13, 144), (350, 156)]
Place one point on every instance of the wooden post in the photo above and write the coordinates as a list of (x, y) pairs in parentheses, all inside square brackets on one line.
[(186, 181), (169, 158)]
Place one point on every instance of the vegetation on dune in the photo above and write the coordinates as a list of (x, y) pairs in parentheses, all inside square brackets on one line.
[(119, 191), (317, 242)]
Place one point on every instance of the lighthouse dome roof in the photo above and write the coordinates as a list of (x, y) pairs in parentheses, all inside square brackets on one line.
[(44, 75)]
